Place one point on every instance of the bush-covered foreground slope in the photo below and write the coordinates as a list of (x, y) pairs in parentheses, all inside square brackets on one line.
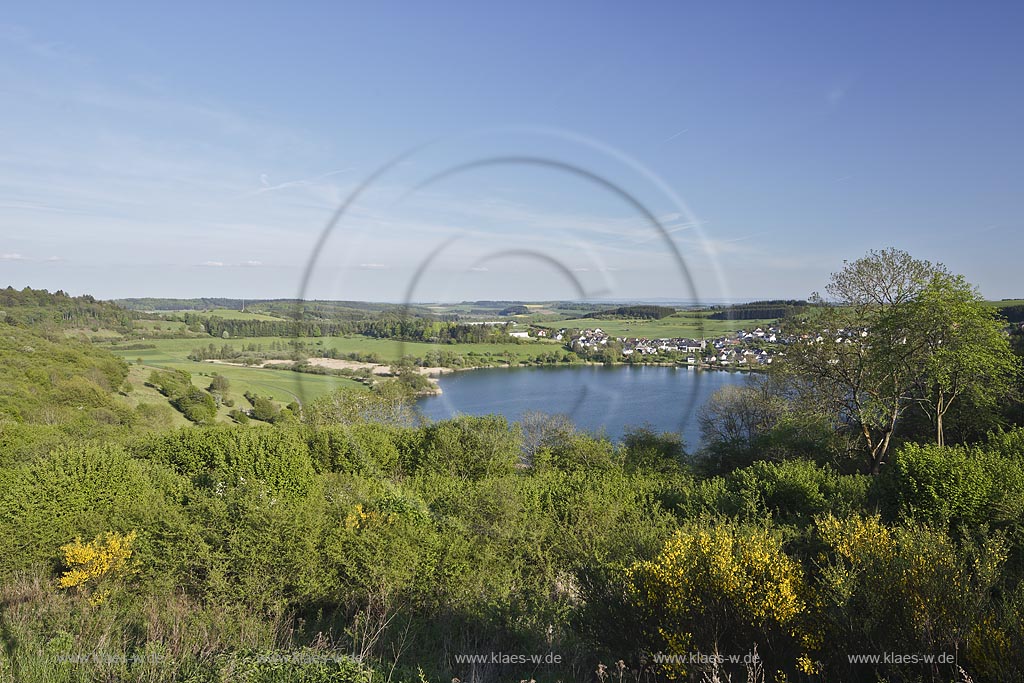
[(389, 551), (228, 538)]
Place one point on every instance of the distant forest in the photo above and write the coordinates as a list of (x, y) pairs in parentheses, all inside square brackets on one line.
[(777, 308), (1014, 314), (158, 304), (648, 312), (286, 308), (517, 309)]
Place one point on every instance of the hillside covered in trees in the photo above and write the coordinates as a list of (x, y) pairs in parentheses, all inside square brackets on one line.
[(40, 308)]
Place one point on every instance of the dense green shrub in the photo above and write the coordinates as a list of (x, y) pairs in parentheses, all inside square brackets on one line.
[(795, 491), (191, 401), (75, 491), (275, 458), (470, 447), (375, 538), (578, 451), (262, 549), (958, 486), (305, 665), (196, 405), (647, 450), (170, 382), (358, 448)]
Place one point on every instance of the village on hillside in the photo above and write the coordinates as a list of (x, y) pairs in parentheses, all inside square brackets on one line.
[(744, 349)]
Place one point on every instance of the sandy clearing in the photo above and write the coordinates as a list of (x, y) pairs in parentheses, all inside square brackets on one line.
[(342, 364)]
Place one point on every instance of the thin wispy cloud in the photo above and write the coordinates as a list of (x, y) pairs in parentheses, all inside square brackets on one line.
[(672, 137), (301, 182), (226, 264), (669, 229)]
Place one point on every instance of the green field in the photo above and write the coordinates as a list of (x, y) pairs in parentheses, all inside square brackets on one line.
[(153, 326), (392, 350), (177, 350), (678, 325), (281, 385)]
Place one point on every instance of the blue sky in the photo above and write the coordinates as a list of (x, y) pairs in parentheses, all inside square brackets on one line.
[(185, 150)]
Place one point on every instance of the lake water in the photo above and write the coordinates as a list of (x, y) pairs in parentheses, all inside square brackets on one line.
[(594, 397)]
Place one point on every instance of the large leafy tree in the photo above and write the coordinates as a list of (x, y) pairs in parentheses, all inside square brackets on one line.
[(857, 357), (897, 333), (967, 353)]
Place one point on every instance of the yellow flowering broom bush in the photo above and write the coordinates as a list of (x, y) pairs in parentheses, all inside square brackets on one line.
[(721, 587), (904, 588), (93, 565)]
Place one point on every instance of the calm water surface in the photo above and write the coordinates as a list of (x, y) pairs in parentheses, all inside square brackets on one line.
[(594, 397)]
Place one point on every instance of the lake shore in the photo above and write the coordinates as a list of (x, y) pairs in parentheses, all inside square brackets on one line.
[(434, 372)]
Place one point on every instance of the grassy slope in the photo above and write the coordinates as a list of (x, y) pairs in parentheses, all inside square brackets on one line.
[(140, 394), (149, 325), (100, 334)]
